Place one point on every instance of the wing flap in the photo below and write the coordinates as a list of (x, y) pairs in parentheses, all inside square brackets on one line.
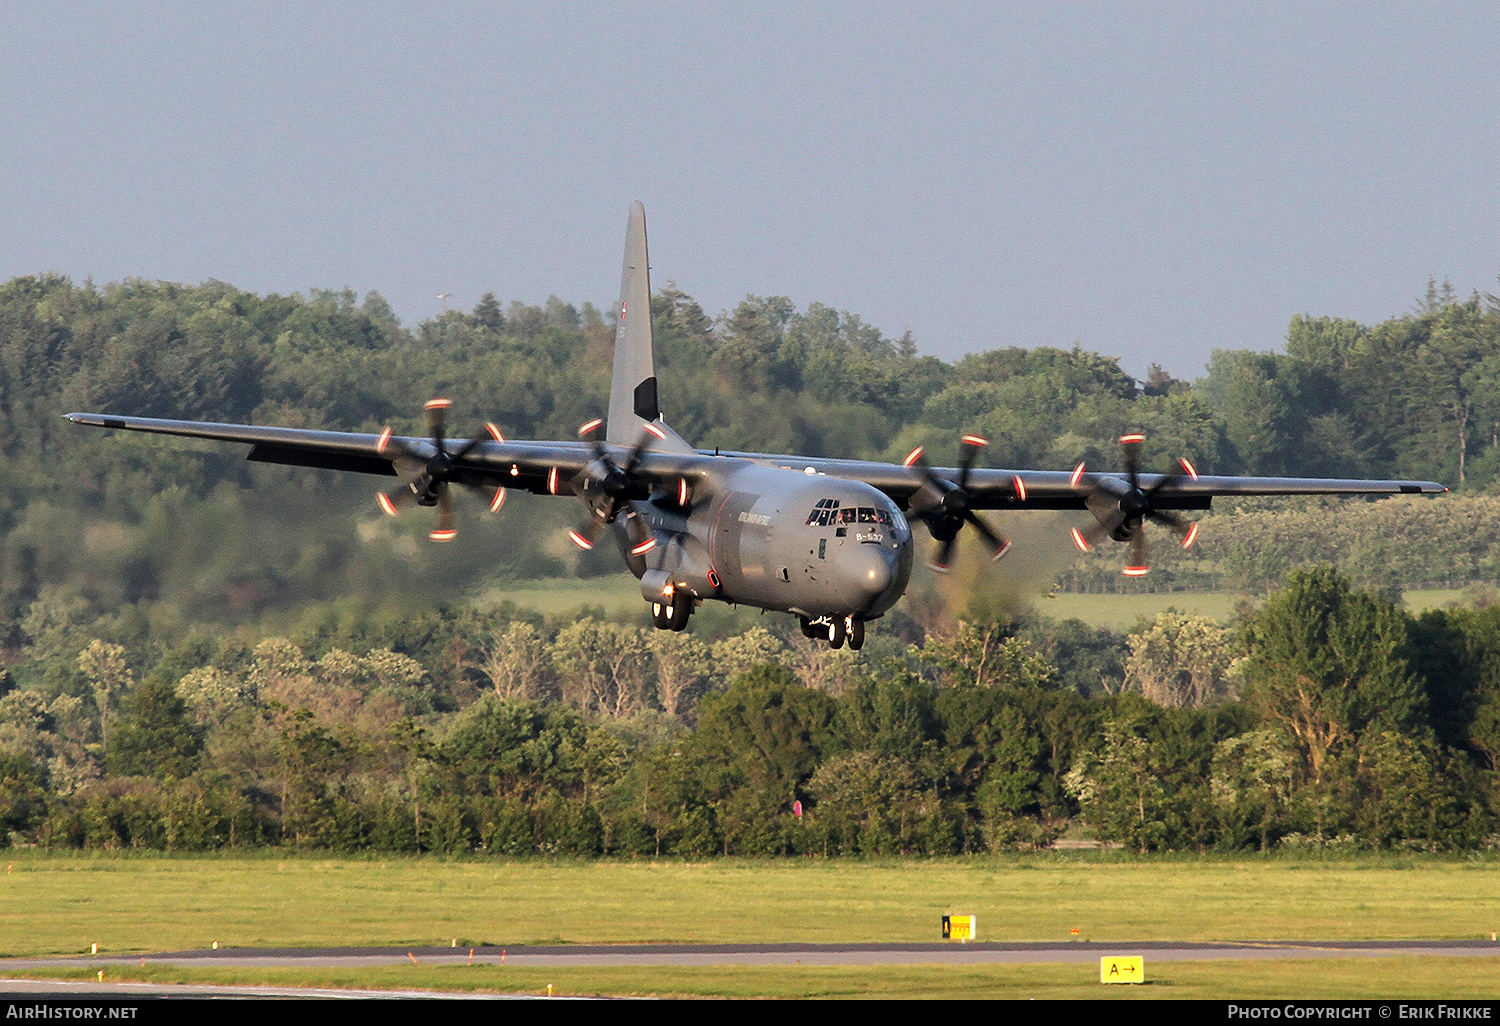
[(320, 459)]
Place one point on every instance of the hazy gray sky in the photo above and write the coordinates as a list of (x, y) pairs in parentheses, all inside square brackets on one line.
[(1152, 180)]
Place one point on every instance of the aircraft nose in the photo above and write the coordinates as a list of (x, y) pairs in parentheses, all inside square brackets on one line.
[(870, 570)]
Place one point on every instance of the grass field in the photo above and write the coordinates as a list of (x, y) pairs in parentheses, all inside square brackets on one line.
[(619, 595), (61, 905), (1120, 612)]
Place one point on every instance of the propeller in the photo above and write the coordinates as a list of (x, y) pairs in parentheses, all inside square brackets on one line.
[(428, 475), (944, 506), (1121, 508), (605, 488)]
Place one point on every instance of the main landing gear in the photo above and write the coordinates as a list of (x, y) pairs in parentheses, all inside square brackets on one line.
[(673, 615), (836, 631)]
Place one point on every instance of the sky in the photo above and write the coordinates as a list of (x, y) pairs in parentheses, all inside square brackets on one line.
[(1153, 181)]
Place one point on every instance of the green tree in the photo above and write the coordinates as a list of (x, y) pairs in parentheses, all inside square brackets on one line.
[(157, 739), (1146, 781), (1326, 664), (1179, 661), (879, 797), (1256, 398), (986, 654), (23, 795), (104, 666), (1254, 776), (516, 748), (758, 743)]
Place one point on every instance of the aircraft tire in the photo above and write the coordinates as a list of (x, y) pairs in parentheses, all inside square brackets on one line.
[(836, 633), (659, 615), (678, 613), (856, 634)]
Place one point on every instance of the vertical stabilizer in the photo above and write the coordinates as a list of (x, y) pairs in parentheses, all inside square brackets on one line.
[(632, 392)]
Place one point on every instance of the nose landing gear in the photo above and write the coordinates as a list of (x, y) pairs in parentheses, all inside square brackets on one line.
[(836, 630)]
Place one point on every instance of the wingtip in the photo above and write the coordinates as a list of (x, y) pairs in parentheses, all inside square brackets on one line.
[(95, 420)]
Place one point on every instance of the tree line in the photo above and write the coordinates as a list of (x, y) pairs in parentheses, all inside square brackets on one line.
[(192, 529), (1328, 718), (200, 652)]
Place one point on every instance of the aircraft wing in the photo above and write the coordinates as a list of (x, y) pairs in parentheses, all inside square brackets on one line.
[(541, 467), (547, 467), (1058, 489)]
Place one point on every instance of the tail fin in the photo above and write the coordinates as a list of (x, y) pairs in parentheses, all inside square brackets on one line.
[(632, 393)]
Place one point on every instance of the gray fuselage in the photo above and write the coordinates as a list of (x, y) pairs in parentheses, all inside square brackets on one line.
[(778, 539)]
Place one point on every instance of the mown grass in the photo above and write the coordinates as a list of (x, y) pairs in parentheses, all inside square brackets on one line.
[(619, 595), (1121, 612), (61, 904), (616, 594), (1270, 979)]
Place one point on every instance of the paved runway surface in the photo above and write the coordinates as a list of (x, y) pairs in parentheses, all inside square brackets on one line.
[(948, 953)]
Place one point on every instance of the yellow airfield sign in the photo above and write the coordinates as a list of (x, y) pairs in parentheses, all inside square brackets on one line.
[(961, 927), (1122, 969)]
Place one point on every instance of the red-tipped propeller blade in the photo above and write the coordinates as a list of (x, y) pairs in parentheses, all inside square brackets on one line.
[(606, 486), (1123, 515), (429, 474), (945, 506)]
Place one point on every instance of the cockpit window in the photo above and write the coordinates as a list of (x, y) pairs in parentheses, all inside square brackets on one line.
[(827, 512), (823, 513)]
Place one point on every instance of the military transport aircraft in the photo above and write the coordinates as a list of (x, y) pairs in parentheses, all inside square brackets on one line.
[(826, 540)]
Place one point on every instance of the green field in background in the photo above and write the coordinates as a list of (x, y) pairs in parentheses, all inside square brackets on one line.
[(54, 905), (619, 595), (62, 904)]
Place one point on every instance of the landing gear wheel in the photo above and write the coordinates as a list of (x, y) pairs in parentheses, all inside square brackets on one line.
[(856, 634), (678, 613), (659, 615), (812, 630), (836, 633)]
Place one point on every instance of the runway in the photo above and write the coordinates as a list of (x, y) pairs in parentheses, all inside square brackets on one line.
[(942, 953)]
